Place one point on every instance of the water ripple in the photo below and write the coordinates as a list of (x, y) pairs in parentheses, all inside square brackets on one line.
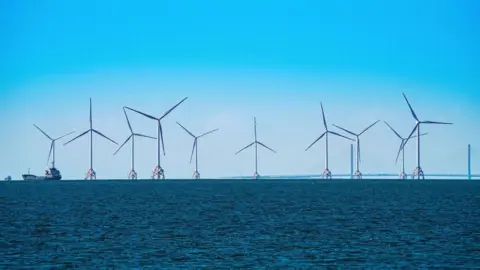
[(240, 224)]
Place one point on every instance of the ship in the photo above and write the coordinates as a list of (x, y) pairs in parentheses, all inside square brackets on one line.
[(50, 174)]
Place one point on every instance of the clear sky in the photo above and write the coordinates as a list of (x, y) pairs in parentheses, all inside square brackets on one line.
[(275, 60)]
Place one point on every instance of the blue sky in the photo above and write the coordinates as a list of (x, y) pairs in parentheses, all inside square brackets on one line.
[(234, 60)]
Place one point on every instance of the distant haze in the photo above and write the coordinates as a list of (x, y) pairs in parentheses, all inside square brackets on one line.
[(274, 60)]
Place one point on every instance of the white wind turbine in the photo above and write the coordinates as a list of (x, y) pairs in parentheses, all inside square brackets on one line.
[(196, 174), (418, 172), (256, 143), (327, 174), (158, 171), (403, 175), (91, 173), (132, 174), (358, 174), (52, 145)]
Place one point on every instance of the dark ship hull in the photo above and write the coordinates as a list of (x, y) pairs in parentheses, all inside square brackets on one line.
[(30, 177), (50, 174)]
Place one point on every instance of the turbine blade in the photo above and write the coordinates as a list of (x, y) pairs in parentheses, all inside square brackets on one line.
[(64, 135), (244, 148), (171, 109), (411, 109), (144, 114), (206, 133), (344, 130), (128, 121), (77, 137), (334, 133), (122, 144), (141, 135), (186, 130), (399, 150), (321, 136), (396, 133), (368, 127), (50, 152), (434, 122), (43, 132), (410, 136), (98, 132), (267, 147), (161, 137), (323, 115), (193, 149)]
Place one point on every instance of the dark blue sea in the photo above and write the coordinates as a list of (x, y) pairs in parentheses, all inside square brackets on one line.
[(224, 224)]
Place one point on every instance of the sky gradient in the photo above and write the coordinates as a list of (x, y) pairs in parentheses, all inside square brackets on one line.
[(276, 60)]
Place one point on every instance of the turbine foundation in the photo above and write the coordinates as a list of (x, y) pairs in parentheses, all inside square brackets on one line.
[(357, 175), (403, 176), (327, 174), (418, 174), (90, 175), (196, 175), (132, 175), (256, 176), (158, 173)]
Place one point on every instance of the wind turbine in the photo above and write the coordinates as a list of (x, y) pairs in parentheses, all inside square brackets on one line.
[(90, 173), (158, 172), (52, 145), (256, 143), (403, 175), (132, 174), (358, 174), (196, 174), (418, 173), (327, 174)]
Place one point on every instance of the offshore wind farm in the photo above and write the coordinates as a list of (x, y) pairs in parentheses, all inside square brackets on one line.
[(275, 134), (355, 158)]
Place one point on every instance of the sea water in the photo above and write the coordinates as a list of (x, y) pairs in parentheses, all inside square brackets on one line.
[(239, 224)]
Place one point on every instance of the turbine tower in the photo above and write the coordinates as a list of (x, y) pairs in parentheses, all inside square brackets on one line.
[(91, 173), (132, 174), (402, 175), (52, 145), (358, 174), (327, 174), (196, 174), (256, 143), (158, 172), (418, 172)]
